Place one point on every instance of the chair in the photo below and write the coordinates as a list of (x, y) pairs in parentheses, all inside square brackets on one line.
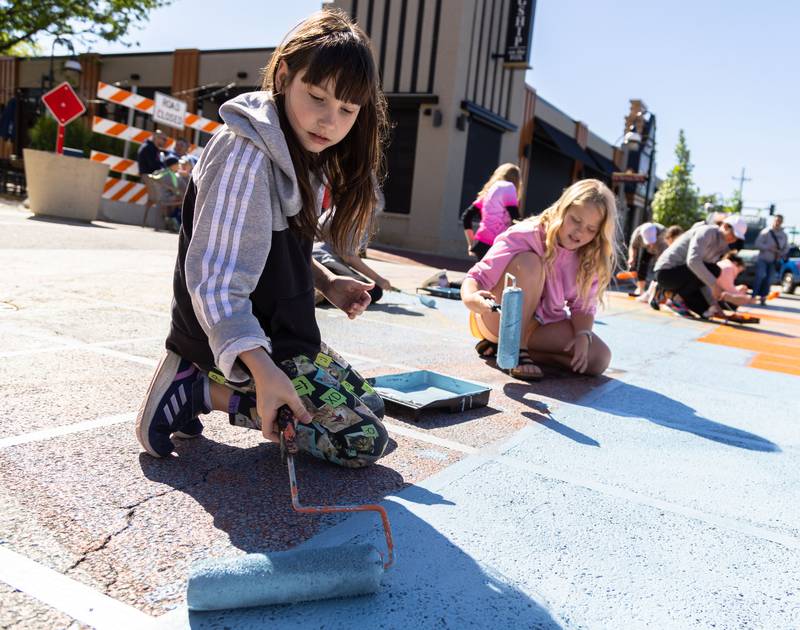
[(158, 197), (12, 176)]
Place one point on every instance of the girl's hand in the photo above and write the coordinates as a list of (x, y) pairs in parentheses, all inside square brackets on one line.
[(273, 390), (383, 283), (349, 294), (580, 353), (480, 302)]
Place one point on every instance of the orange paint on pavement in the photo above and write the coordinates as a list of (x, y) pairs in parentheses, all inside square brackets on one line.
[(775, 351)]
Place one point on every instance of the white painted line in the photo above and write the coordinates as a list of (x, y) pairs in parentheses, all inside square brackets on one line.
[(386, 322), (351, 357), (396, 429), (66, 595), (64, 342), (641, 499), (68, 429), (94, 344), (122, 306)]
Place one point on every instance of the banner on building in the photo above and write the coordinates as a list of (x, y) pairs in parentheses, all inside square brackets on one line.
[(628, 177), (519, 33)]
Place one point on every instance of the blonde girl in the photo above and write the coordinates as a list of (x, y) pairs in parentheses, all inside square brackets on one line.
[(562, 259), (497, 205), (244, 338)]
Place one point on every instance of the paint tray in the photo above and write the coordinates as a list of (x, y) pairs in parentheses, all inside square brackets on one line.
[(423, 389), (451, 293)]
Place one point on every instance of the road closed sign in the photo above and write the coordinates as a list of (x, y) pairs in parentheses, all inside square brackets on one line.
[(169, 111)]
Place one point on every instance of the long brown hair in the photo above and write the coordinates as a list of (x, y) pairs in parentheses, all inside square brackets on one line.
[(598, 257), (328, 46), (505, 172)]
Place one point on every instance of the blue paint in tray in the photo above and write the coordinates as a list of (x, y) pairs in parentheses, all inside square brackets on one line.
[(423, 389)]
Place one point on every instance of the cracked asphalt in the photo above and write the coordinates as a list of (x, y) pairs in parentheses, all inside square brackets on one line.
[(662, 494)]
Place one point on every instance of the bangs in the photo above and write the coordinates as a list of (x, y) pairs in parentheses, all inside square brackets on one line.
[(347, 63)]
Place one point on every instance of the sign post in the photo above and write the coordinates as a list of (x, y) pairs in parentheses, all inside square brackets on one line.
[(65, 106)]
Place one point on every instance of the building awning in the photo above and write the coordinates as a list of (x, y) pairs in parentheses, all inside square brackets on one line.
[(606, 166), (488, 117), (566, 145)]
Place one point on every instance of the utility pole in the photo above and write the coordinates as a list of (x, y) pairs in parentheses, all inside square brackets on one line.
[(741, 179)]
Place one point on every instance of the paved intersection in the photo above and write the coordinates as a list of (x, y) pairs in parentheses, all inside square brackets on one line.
[(661, 495)]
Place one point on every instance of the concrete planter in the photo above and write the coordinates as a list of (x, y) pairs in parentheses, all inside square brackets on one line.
[(61, 186)]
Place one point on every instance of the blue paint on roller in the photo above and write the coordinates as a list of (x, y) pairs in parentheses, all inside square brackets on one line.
[(261, 579), (510, 325)]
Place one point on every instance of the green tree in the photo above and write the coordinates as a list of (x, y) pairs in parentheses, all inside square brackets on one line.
[(78, 135), (23, 21), (677, 200), (702, 200), (734, 203)]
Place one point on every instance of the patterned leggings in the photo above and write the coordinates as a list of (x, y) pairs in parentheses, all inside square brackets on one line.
[(346, 428)]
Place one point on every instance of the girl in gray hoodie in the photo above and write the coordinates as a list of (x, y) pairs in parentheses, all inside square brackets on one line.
[(243, 335)]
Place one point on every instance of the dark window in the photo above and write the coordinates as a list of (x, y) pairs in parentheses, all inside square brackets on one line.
[(400, 159), (550, 173), (483, 155)]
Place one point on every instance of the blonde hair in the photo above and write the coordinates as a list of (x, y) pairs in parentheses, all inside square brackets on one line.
[(599, 256), (505, 172)]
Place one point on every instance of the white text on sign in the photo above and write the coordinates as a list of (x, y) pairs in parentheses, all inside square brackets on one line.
[(169, 111)]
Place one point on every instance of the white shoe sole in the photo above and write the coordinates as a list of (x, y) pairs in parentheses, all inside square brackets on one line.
[(162, 379)]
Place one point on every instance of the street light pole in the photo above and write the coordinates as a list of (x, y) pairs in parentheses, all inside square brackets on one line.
[(651, 137), (71, 64)]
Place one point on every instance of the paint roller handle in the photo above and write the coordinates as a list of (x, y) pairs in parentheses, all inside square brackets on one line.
[(495, 306), (286, 427)]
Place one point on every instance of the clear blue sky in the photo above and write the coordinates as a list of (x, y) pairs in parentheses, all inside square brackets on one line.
[(725, 72)]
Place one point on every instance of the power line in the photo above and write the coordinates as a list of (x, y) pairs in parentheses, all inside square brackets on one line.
[(741, 179)]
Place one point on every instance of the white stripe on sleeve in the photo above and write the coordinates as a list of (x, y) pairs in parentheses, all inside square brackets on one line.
[(232, 207), (224, 290)]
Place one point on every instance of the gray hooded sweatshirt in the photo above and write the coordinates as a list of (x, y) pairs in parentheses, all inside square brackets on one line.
[(242, 275), (699, 245)]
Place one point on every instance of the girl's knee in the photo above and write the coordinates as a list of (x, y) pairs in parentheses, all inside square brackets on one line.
[(365, 447), (526, 265), (600, 358)]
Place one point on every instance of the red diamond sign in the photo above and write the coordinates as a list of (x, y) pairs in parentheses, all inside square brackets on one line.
[(63, 103)]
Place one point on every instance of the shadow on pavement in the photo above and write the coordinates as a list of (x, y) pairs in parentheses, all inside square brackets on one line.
[(393, 309), (436, 419), (632, 401), (757, 309), (433, 584), (541, 413), (246, 490), (61, 221)]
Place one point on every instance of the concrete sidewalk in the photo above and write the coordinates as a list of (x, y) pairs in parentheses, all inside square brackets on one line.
[(663, 494)]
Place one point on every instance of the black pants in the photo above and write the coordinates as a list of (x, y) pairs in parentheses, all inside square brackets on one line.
[(643, 264), (682, 281), (479, 248)]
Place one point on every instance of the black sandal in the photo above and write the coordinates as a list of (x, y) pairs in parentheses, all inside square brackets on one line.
[(524, 361), (486, 349)]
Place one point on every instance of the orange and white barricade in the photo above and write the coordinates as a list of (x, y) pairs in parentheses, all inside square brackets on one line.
[(134, 134), (116, 164), (124, 191), (125, 98)]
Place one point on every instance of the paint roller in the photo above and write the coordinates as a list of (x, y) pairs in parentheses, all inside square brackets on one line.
[(626, 275), (261, 579), (424, 299), (510, 329)]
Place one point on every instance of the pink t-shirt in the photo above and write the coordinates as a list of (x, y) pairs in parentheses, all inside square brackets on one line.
[(494, 216), (727, 277), (560, 281)]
